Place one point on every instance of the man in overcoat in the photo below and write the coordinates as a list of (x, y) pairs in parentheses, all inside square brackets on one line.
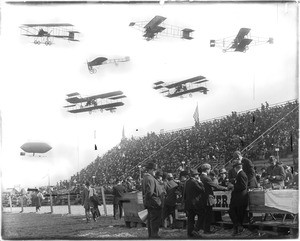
[(193, 202), (209, 198), (239, 198)]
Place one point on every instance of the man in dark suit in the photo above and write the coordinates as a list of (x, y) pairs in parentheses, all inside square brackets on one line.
[(118, 192), (152, 194), (239, 198), (248, 168), (193, 200), (208, 199)]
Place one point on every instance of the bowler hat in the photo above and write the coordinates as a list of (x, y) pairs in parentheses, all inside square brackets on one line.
[(194, 172), (183, 174)]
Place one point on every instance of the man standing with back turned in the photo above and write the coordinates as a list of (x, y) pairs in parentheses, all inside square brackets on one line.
[(152, 200)]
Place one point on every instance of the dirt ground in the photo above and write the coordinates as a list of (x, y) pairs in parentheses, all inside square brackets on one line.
[(73, 226), (66, 226)]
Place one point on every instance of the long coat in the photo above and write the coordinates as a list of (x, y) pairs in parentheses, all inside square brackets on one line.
[(239, 195), (209, 186), (152, 192), (193, 194), (118, 192), (248, 168), (86, 198)]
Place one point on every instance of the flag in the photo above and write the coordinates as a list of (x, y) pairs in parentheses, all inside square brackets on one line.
[(196, 115), (123, 134)]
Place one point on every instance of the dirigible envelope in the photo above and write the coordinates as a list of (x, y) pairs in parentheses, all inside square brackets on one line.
[(36, 147)]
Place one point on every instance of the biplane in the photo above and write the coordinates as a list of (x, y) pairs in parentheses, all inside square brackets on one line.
[(241, 42), (102, 60), (107, 101), (156, 26), (45, 33), (182, 88)]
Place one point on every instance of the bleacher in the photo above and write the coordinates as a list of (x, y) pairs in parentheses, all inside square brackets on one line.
[(211, 141)]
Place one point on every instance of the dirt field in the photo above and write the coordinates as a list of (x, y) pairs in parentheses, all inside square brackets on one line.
[(58, 226), (30, 225)]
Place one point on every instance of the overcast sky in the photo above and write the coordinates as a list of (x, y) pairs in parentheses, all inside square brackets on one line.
[(34, 80)]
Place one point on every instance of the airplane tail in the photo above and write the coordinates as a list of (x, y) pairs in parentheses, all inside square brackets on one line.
[(72, 36), (270, 41), (186, 33)]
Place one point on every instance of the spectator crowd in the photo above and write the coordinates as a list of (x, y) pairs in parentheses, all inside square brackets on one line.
[(207, 142)]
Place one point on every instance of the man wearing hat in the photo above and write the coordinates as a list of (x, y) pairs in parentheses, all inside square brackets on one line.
[(193, 199), (152, 200), (209, 199), (248, 168), (276, 173), (223, 180), (239, 198), (170, 201)]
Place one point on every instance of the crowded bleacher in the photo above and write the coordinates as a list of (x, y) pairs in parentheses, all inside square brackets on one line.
[(211, 141)]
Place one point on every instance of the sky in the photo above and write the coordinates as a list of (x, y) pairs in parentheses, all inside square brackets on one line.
[(34, 80)]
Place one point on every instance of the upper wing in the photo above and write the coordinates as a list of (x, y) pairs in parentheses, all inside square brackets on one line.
[(157, 20), (185, 81), (97, 61), (48, 25), (200, 89), (105, 106), (243, 32)]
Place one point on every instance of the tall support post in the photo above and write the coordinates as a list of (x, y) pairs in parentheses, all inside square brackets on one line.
[(51, 202), (69, 203), (10, 203)]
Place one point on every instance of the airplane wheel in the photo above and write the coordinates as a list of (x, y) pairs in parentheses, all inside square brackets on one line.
[(190, 95), (46, 43), (38, 42), (35, 41), (49, 42)]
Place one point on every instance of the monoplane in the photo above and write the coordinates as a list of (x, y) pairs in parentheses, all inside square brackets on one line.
[(182, 88), (45, 33), (107, 101), (35, 147), (156, 26), (241, 42), (103, 60)]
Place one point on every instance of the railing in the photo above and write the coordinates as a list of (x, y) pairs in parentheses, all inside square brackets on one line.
[(51, 200)]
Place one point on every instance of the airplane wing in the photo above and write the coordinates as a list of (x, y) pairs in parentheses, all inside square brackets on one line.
[(157, 20), (152, 28), (48, 25), (97, 61), (185, 81), (242, 33), (241, 47), (200, 89), (77, 100), (117, 97), (105, 95), (239, 37), (106, 106)]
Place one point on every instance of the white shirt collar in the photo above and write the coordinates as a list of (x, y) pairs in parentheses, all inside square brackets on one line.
[(239, 171)]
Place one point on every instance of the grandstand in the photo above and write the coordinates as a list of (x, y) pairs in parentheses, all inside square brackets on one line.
[(258, 133)]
